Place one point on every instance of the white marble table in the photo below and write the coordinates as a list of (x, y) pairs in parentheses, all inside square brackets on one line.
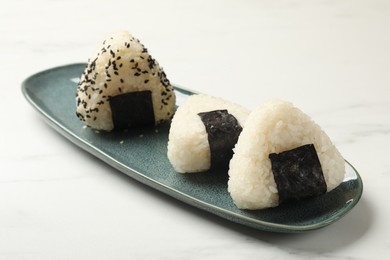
[(331, 58)]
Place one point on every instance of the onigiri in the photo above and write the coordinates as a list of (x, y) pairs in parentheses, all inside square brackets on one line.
[(282, 155), (122, 86)]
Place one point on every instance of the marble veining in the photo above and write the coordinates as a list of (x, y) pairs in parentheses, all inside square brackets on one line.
[(331, 58)]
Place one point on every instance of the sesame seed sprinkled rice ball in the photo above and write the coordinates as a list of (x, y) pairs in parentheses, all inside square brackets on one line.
[(122, 86)]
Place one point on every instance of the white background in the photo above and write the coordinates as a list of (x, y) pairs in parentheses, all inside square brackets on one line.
[(330, 58)]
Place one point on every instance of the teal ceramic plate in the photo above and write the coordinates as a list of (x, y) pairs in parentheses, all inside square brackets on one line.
[(141, 154)]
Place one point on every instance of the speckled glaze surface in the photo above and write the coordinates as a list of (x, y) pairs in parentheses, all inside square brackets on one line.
[(141, 154)]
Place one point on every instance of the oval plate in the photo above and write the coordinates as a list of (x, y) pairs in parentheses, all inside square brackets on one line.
[(141, 154)]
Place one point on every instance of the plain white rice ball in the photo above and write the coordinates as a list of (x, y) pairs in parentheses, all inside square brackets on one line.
[(188, 146), (274, 127)]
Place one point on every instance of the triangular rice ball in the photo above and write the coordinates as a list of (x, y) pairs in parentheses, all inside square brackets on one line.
[(273, 128), (192, 147), (123, 86)]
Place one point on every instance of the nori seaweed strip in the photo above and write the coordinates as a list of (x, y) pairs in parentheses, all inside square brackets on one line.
[(132, 109), (298, 173), (223, 130)]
